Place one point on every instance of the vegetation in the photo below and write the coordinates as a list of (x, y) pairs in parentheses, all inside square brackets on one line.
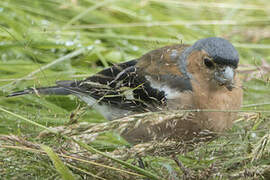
[(49, 40)]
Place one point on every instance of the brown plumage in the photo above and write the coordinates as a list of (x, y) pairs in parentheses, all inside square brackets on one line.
[(178, 77)]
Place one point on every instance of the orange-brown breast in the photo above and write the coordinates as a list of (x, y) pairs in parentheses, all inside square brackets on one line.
[(207, 95)]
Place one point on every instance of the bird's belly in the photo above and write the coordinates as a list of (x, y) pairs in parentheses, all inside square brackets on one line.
[(105, 110)]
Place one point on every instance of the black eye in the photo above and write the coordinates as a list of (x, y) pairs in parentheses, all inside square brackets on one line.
[(209, 63)]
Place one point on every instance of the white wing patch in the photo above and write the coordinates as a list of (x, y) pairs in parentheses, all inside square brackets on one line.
[(169, 92)]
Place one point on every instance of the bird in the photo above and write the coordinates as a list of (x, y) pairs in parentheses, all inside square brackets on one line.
[(176, 77)]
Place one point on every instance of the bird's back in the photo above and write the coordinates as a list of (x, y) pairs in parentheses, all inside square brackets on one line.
[(134, 86)]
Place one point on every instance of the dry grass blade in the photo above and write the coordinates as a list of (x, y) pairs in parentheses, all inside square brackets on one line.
[(260, 148), (191, 4), (171, 23)]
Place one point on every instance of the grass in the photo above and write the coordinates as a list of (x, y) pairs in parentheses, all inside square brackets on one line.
[(45, 41)]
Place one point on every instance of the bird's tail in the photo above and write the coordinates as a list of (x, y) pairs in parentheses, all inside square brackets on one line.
[(55, 90)]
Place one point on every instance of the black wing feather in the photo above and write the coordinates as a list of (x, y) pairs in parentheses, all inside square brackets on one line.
[(110, 85)]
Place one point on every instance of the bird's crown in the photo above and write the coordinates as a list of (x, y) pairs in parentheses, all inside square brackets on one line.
[(221, 50)]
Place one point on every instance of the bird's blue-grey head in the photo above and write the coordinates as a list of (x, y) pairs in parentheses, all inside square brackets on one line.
[(221, 52)]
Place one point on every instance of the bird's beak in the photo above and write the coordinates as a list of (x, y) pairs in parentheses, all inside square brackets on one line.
[(224, 76)]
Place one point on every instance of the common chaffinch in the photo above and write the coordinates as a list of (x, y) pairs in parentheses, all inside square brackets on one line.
[(177, 77)]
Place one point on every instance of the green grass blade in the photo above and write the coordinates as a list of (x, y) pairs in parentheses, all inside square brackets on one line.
[(65, 173)]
